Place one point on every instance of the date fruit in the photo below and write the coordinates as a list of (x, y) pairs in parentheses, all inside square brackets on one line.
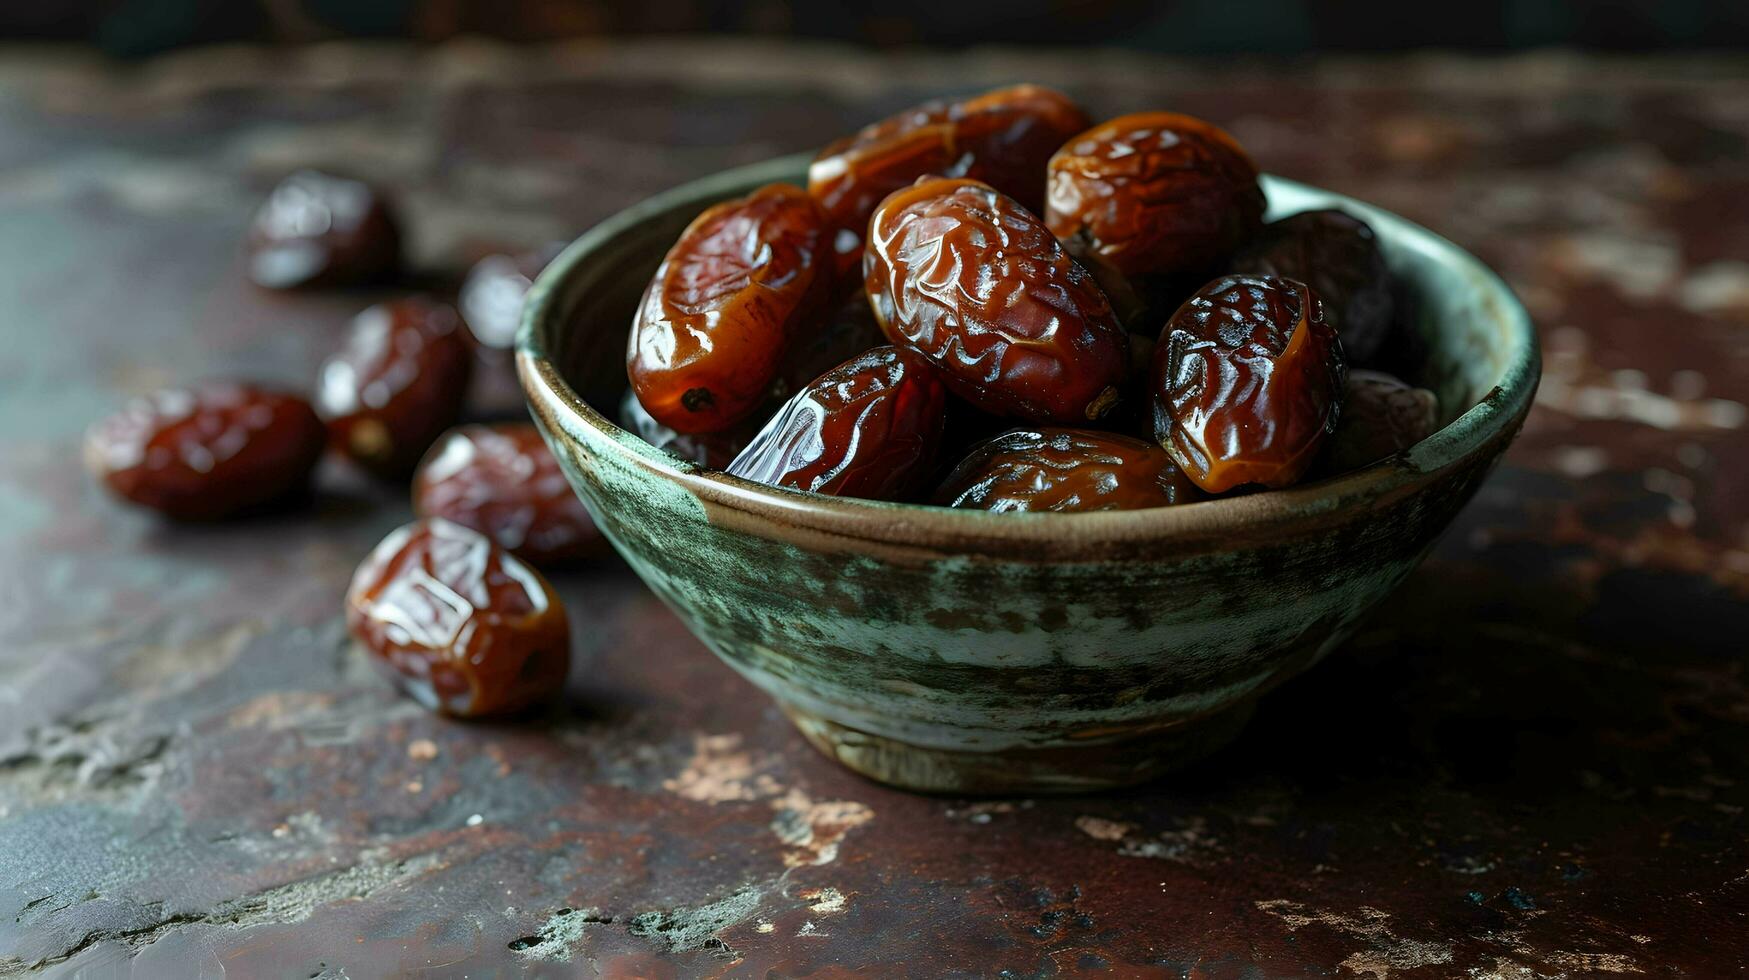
[(964, 275), (723, 307), (1248, 382), (1338, 256), (1065, 470), (1382, 416), (1154, 194), (1003, 137), (869, 427), (396, 385), (491, 295), (458, 623), (316, 229), (502, 481), (209, 451), (818, 347)]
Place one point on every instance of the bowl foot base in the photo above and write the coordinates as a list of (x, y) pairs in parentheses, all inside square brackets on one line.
[(1097, 765)]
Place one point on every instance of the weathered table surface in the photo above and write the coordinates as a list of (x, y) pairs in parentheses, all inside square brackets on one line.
[(1533, 763)]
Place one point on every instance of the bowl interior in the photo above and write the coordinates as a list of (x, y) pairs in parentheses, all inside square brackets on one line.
[(1480, 355)]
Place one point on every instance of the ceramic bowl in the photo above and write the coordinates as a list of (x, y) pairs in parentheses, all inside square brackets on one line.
[(964, 651)]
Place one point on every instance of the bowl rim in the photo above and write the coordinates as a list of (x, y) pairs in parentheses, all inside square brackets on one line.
[(1493, 418)]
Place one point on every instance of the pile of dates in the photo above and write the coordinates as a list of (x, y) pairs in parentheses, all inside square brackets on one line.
[(451, 606), (995, 304)]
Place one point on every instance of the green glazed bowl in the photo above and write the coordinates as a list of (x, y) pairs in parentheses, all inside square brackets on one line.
[(965, 651)]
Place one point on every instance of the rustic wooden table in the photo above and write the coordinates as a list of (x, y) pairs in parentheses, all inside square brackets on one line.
[(1533, 763)]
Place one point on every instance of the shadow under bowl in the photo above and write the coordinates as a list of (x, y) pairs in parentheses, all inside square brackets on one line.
[(964, 651)]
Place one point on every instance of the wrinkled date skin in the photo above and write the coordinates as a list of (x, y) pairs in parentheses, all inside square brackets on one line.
[(962, 274), (1003, 138), (459, 624), (491, 295), (1382, 416), (502, 481), (1338, 256), (207, 452), (1154, 194), (869, 428), (1248, 382), (719, 315), (1065, 470), (319, 230), (396, 385)]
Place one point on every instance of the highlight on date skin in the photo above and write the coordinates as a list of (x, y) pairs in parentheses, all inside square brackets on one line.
[(966, 277), (1095, 312)]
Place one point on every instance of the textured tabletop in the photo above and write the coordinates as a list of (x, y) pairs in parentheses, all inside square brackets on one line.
[(1533, 762)]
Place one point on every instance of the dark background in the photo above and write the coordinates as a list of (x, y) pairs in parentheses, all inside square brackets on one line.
[(133, 28)]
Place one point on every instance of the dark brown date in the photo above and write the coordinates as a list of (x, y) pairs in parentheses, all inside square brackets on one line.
[(206, 452), (1382, 416), (965, 276), (1003, 138), (316, 229), (723, 307), (1155, 194), (502, 481), (458, 623), (1338, 256), (1248, 382), (869, 427), (398, 382), (491, 295), (1065, 470)]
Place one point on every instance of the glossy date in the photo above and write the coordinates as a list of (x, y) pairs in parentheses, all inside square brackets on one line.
[(1382, 416), (459, 624), (1154, 194), (1003, 137), (820, 345), (1338, 256), (396, 385), (1248, 383), (316, 229), (868, 428), (968, 278), (502, 481), (1065, 470), (206, 452), (717, 318)]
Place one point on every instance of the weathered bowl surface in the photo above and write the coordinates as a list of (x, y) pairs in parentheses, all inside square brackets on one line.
[(966, 651)]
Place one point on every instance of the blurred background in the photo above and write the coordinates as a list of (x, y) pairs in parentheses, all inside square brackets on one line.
[(133, 28)]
